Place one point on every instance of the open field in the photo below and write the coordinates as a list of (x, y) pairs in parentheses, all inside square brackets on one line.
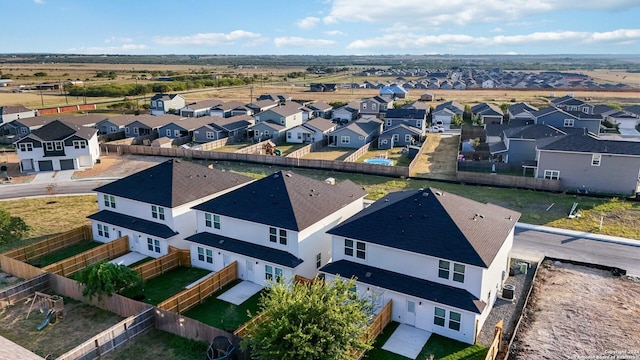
[(81, 321), (579, 312), (156, 344)]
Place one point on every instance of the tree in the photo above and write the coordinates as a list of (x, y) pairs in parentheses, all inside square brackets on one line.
[(312, 321), (104, 278), (12, 228)]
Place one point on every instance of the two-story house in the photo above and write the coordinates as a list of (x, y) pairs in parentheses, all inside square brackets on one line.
[(275, 227), (218, 128), (585, 163), (518, 144), (561, 119), (8, 113), (440, 257), (487, 113), (311, 131), (274, 123), (58, 146), (144, 125), (571, 104), (376, 106), (356, 134), (153, 206), (114, 124), (402, 127), (163, 103)]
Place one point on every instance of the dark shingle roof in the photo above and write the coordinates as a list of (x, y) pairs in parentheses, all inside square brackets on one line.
[(59, 130), (420, 288), (321, 124), (532, 132), (130, 222), (406, 114), (173, 183), (246, 248), (364, 126), (285, 200), (446, 226), (590, 144)]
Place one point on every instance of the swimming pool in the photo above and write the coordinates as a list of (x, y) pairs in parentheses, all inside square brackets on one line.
[(377, 161)]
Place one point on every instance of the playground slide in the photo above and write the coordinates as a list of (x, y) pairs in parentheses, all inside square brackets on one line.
[(46, 320)]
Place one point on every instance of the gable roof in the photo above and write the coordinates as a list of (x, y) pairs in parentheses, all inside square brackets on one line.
[(592, 145), (521, 107), (435, 223), (120, 120), (320, 124), (228, 106), (364, 126), (634, 109), (284, 200), (134, 223), (13, 109), (407, 114), (532, 132), (153, 121), (164, 96), (394, 129), (287, 109), (58, 130), (203, 104), (82, 120), (173, 183), (233, 122), (320, 106)]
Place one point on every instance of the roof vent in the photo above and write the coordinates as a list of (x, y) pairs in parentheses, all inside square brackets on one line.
[(221, 242), (425, 194), (386, 200), (330, 181), (276, 175), (177, 160), (399, 217), (368, 274), (288, 174), (439, 193)]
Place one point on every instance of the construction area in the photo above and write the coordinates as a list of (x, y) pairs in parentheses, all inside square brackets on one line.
[(579, 312)]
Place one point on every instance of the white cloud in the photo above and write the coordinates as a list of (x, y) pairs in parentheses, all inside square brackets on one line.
[(458, 12), (497, 30), (114, 39), (209, 39), (38, 1), (302, 42), (420, 42), (308, 22), (334, 33), (122, 49)]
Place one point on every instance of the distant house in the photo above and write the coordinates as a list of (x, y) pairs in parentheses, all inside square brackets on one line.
[(518, 144), (574, 105), (86, 120), (416, 118), (181, 127), (219, 128), (357, 133), (316, 87), (588, 164), (426, 97), (376, 106), (226, 109), (521, 110), (623, 120), (283, 234), (148, 124), (9, 113), (320, 109), (262, 105), (394, 91), (152, 207), (311, 131), (58, 146), (442, 259), (161, 103), (562, 119), (443, 117), (198, 109), (399, 135), (280, 98), (488, 113), (114, 124), (347, 112), (273, 123)]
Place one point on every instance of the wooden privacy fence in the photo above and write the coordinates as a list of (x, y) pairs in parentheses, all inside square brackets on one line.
[(175, 258), (415, 160), (110, 339), (358, 153), (25, 289), (307, 149), (51, 244), (509, 181), (18, 268), (255, 148), (215, 144), (108, 251), (494, 349), (377, 326), (242, 330), (189, 298)]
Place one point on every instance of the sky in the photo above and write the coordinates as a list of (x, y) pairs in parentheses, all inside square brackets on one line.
[(321, 27)]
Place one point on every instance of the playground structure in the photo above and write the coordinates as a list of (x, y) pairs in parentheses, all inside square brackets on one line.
[(221, 349), (269, 148), (51, 305)]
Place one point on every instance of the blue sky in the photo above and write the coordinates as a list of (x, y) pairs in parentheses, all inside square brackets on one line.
[(321, 27)]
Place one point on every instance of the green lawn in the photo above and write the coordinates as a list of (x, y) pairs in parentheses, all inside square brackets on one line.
[(395, 154), (140, 262), (224, 315), (288, 148), (165, 286), (156, 344), (441, 347), (67, 252)]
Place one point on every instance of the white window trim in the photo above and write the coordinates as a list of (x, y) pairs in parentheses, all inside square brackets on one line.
[(48, 146), (345, 139), (596, 159), (26, 146), (59, 145), (176, 133), (126, 130), (407, 137), (168, 132), (79, 144), (552, 174), (569, 122), (136, 131), (210, 135)]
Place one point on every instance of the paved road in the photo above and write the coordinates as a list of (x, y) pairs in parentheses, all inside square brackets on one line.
[(531, 244), (43, 189)]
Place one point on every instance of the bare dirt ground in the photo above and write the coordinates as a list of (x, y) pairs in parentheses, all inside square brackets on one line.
[(10, 160), (7, 280), (438, 159), (119, 166), (577, 312)]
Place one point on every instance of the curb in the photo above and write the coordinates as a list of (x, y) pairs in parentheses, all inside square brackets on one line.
[(580, 234)]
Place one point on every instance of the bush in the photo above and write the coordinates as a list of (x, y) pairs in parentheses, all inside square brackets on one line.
[(12, 228), (104, 278)]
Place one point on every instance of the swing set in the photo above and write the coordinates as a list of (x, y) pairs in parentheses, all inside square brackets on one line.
[(50, 305)]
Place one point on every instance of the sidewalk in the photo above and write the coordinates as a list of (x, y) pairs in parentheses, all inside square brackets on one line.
[(49, 177), (580, 234)]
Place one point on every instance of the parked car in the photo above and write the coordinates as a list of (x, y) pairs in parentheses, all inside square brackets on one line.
[(437, 129)]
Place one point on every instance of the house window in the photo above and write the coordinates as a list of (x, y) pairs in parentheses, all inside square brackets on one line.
[(266, 133), (364, 106), (373, 106), (385, 141), (388, 122), (552, 174), (211, 220), (289, 135), (136, 131), (595, 159), (157, 212), (454, 320), (205, 255), (407, 138), (458, 272), (79, 144), (112, 129), (396, 138), (209, 257), (418, 123), (283, 236), (24, 130), (59, 145), (110, 201), (153, 245), (360, 250), (176, 133), (318, 260), (103, 230), (568, 122), (273, 234), (270, 271), (348, 247), (443, 269), (126, 130), (209, 134), (48, 146), (439, 316), (345, 139), (361, 137), (168, 132), (299, 136), (26, 146)]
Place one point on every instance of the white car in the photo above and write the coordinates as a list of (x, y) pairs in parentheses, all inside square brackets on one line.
[(437, 129)]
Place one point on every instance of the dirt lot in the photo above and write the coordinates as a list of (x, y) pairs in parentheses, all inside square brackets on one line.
[(438, 159), (579, 312), (80, 322), (10, 159), (114, 166), (329, 153)]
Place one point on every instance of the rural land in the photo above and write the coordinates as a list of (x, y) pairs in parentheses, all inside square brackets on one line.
[(486, 207)]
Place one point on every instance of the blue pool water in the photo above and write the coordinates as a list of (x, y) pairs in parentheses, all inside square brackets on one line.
[(376, 161)]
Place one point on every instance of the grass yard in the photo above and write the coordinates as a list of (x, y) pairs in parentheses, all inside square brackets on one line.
[(288, 148), (330, 153), (440, 347), (395, 154), (62, 254), (224, 315), (232, 147), (166, 285), (156, 344), (81, 321), (438, 159)]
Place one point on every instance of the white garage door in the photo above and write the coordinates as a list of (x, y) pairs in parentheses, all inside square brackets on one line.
[(85, 161), (27, 165)]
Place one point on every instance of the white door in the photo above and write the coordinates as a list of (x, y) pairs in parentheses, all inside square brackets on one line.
[(250, 274), (85, 161), (410, 319), (27, 164), (133, 242), (226, 260)]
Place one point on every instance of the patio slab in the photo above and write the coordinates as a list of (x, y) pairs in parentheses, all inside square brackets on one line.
[(407, 341), (128, 259), (240, 293)]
